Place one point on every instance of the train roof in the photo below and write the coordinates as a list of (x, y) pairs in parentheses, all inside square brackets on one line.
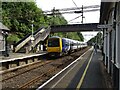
[(55, 37), (70, 40)]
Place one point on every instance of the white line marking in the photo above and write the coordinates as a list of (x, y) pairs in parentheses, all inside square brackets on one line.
[(63, 76), (83, 76), (19, 58), (61, 71)]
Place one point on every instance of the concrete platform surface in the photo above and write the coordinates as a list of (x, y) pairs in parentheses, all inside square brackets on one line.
[(18, 55), (87, 72)]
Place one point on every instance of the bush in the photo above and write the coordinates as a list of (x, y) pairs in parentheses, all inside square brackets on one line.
[(13, 38)]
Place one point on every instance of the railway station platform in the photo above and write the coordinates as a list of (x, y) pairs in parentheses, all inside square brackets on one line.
[(19, 55), (87, 72), (17, 60), (95, 76)]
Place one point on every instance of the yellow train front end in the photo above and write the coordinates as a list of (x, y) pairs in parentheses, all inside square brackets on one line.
[(54, 46)]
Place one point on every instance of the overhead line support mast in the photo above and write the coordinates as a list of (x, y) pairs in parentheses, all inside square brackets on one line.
[(82, 15)]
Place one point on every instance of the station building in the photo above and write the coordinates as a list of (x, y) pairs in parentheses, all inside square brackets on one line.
[(3, 39), (110, 19)]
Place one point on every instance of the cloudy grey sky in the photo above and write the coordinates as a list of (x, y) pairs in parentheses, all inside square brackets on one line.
[(90, 17)]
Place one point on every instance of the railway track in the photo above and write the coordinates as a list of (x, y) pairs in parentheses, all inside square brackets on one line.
[(37, 79), (39, 72), (31, 67), (34, 80)]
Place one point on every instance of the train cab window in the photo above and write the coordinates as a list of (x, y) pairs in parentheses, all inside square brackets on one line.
[(53, 43)]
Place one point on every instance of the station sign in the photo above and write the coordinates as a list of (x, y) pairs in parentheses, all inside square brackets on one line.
[(104, 26)]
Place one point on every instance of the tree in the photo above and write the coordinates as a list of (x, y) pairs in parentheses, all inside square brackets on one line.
[(97, 39), (18, 17)]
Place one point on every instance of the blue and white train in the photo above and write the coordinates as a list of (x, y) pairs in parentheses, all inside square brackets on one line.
[(57, 46)]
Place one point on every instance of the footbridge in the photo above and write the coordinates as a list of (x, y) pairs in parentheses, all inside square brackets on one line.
[(75, 28), (39, 35), (42, 33)]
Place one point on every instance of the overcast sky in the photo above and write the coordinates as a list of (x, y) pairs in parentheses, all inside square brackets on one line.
[(90, 17)]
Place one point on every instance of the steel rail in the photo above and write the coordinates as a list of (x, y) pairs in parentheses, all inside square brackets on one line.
[(41, 64), (36, 79)]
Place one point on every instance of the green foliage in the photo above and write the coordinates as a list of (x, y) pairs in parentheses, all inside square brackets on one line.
[(56, 20), (80, 36), (71, 35), (96, 39), (18, 17), (13, 38), (59, 20)]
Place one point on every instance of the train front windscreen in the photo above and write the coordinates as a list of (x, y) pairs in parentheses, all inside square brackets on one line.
[(53, 42)]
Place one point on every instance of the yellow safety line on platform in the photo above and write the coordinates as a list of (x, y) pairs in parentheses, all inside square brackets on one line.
[(83, 76)]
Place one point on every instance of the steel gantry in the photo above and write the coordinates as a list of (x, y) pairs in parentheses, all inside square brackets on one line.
[(76, 10)]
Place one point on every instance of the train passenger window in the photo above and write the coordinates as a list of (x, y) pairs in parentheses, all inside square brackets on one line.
[(66, 44), (72, 44)]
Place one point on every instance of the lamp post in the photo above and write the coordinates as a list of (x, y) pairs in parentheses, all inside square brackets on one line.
[(32, 37), (32, 27)]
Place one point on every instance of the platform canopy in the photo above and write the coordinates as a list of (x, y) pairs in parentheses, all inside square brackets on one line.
[(3, 27)]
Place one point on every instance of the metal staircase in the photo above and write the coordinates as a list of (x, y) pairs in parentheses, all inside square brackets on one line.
[(39, 35)]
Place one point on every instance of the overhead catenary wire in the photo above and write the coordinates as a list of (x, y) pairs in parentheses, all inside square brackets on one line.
[(74, 3), (74, 18), (71, 12), (74, 8), (77, 12)]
